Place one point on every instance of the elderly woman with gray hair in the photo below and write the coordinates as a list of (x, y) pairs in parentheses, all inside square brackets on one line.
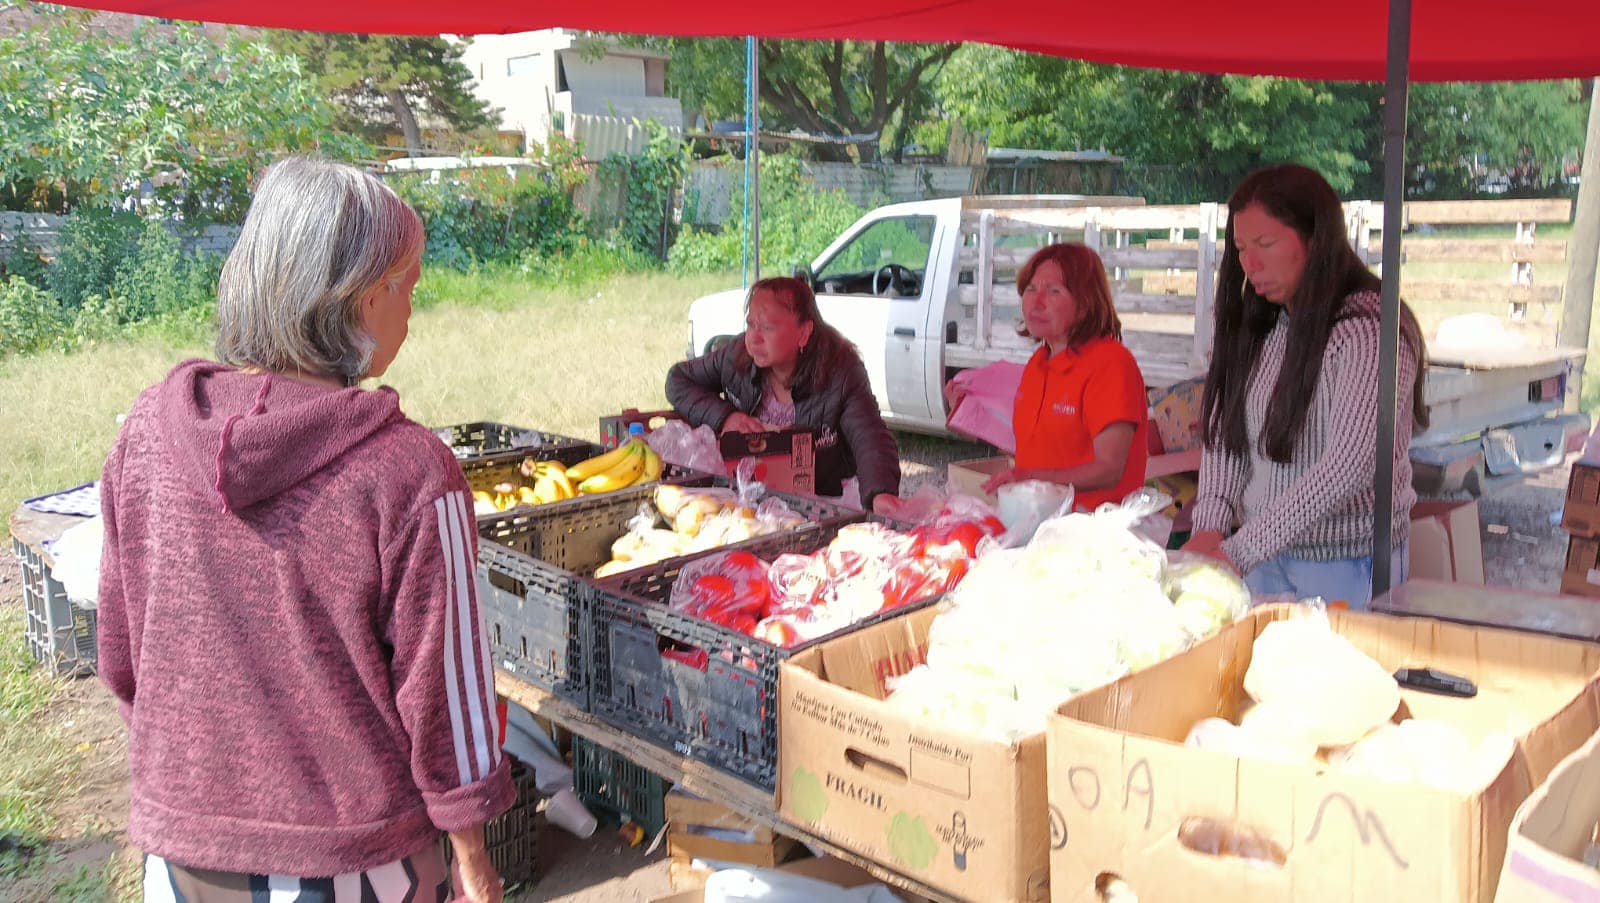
[(288, 614)]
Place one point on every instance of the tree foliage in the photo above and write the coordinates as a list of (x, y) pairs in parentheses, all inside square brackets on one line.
[(821, 87), (167, 116), (387, 83), (1202, 133)]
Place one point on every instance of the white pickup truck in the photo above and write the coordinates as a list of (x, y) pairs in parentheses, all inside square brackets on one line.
[(928, 288)]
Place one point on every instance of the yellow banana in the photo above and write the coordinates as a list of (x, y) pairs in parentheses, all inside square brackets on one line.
[(652, 466), (544, 489), (583, 470), (619, 476), (527, 495), (563, 485)]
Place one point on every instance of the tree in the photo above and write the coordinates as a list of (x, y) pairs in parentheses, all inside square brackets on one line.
[(383, 82), (1187, 136), (822, 87), (1457, 130), (165, 115)]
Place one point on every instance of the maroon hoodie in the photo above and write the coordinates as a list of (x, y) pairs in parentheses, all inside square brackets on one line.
[(289, 617)]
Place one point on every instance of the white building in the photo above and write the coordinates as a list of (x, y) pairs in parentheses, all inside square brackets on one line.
[(543, 83)]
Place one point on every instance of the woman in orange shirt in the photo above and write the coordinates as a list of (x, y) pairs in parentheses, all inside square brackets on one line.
[(1080, 411)]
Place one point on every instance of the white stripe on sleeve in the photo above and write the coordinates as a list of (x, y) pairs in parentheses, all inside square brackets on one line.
[(465, 621), (157, 881), (484, 658), (452, 687), (282, 889)]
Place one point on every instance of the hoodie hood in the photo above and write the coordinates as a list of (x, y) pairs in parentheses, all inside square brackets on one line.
[(251, 436)]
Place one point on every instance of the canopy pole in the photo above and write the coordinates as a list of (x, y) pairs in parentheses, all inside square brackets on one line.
[(752, 157), (1394, 186)]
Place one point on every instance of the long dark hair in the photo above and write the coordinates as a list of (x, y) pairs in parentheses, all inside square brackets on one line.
[(827, 351), (1084, 275), (1300, 198)]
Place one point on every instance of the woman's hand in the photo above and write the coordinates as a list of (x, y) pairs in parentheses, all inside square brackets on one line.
[(953, 394), (1209, 544), (738, 422), (886, 505), (1009, 475)]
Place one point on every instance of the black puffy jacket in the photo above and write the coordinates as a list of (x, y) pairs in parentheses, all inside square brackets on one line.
[(852, 439)]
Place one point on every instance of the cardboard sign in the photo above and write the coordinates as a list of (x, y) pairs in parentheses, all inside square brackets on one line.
[(786, 460), (1445, 542), (961, 813), (1128, 799)]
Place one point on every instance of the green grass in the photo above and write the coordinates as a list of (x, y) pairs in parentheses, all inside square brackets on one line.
[(503, 349)]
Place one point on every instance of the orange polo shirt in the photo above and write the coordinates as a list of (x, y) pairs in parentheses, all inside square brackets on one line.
[(1065, 400)]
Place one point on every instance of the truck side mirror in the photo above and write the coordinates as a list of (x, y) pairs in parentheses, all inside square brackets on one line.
[(803, 272)]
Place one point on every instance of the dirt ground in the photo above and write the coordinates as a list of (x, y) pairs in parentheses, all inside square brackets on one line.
[(1522, 548)]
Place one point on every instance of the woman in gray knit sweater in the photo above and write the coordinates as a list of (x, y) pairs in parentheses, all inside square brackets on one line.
[(1290, 413)]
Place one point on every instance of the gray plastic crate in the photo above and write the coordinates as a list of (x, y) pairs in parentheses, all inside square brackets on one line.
[(59, 633)]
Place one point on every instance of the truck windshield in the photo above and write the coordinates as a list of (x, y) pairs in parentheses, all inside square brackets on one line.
[(902, 242)]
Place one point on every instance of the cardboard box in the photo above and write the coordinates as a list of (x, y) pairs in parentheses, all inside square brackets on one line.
[(968, 477), (1552, 831), (700, 829), (822, 868), (1581, 514), (1581, 576), (786, 460), (1122, 784), (1446, 542), (1176, 416), (953, 811)]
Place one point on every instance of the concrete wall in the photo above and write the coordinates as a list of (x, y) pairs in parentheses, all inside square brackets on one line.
[(43, 231)]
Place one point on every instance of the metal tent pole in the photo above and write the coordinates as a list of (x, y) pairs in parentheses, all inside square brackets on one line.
[(1394, 183), (752, 156)]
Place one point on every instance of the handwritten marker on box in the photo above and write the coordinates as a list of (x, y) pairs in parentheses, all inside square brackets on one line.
[(1430, 680)]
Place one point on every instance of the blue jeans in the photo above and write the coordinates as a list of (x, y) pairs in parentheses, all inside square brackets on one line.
[(1347, 580)]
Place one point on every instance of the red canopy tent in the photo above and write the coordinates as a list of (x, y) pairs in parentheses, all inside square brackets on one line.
[(1437, 40), (1339, 39)]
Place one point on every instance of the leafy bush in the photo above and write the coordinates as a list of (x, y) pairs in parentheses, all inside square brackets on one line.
[(647, 181), (159, 280), (797, 222), (94, 242), (489, 215), (31, 318), (587, 262)]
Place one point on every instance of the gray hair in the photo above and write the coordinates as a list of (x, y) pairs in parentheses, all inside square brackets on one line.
[(318, 237)]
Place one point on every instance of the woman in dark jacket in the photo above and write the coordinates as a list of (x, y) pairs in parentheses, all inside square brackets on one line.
[(790, 369)]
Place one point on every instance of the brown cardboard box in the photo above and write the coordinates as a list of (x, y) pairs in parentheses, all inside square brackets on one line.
[(1122, 783), (957, 812), (786, 460), (834, 871), (1544, 856), (690, 817), (1176, 416), (1445, 542), (1581, 514), (1581, 576), (968, 477)]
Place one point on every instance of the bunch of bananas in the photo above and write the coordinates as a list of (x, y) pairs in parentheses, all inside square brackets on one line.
[(629, 464)]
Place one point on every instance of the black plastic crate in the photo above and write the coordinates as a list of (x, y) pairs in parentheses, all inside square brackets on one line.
[(485, 440), (512, 839), (724, 715), (530, 565), (483, 474), (619, 787), (59, 632)]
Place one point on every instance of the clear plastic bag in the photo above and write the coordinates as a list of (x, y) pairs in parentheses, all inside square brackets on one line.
[(1206, 592), (695, 448)]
